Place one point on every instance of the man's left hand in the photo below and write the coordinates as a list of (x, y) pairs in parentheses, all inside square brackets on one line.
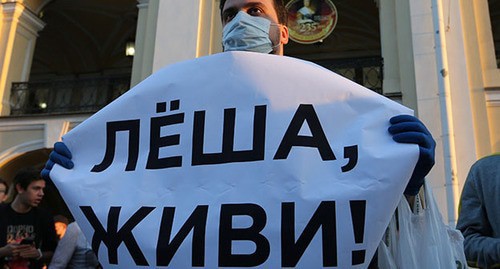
[(409, 129)]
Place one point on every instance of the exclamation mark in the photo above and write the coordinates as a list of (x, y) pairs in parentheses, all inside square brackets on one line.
[(358, 212)]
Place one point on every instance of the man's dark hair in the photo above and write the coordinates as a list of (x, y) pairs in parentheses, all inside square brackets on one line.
[(279, 6), (61, 218), (25, 176)]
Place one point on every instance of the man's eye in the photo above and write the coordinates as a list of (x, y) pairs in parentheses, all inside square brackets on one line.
[(254, 11)]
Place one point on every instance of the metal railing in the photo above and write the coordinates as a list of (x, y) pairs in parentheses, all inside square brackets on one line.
[(364, 71), (66, 96), (90, 95)]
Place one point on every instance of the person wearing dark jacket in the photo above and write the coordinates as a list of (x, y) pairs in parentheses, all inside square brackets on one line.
[(479, 214)]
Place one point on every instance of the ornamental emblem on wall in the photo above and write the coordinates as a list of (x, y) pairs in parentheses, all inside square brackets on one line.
[(311, 21)]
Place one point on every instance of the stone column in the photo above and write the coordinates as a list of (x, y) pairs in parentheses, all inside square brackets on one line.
[(185, 30), (395, 36), (144, 40), (19, 29)]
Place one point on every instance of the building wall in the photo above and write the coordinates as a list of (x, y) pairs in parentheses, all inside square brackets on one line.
[(17, 135), (451, 67)]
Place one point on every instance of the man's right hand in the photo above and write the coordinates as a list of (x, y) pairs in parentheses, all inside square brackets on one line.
[(60, 155)]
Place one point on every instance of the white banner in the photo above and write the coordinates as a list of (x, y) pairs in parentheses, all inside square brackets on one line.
[(238, 160)]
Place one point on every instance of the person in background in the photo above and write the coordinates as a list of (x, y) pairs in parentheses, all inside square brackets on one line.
[(479, 213), (4, 190), (60, 224), (73, 251), (27, 234)]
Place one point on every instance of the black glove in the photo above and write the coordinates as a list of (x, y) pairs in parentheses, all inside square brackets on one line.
[(409, 129), (60, 155)]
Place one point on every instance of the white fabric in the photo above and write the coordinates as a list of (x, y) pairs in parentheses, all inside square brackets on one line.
[(349, 115)]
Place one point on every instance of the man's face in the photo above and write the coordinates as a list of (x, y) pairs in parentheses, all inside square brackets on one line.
[(3, 192), (60, 228), (260, 8), (33, 194)]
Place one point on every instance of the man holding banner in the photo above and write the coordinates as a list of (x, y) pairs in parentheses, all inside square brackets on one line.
[(405, 128), (236, 184), (243, 22)]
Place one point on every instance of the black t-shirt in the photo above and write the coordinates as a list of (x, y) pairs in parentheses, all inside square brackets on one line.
[(37, 224)]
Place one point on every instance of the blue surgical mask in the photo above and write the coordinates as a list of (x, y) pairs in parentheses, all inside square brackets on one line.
[(247, 33)]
